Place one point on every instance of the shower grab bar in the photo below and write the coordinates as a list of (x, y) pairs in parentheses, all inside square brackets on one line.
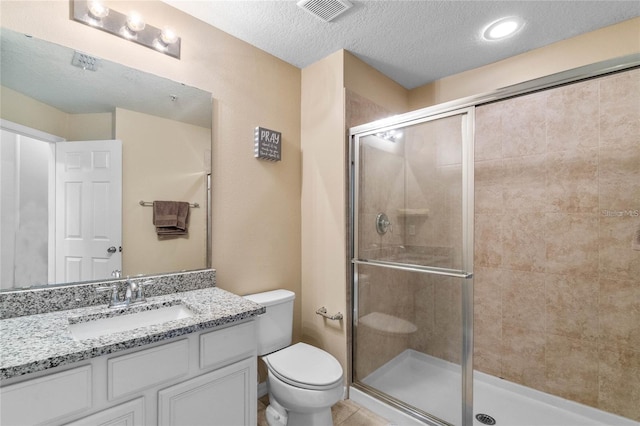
[(323, 312), (414, 268)]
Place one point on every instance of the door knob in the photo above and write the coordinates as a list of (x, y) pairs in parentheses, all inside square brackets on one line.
[(112, 249)]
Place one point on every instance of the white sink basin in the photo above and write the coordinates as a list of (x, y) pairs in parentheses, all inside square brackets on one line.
[(128, 321)]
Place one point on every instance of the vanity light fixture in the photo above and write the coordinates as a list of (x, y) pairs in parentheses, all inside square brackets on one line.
[(502, 28), (131, 26)]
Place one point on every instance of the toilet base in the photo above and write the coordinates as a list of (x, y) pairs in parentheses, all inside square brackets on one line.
[(319, 418)]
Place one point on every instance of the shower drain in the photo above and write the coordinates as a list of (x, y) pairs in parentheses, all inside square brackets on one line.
[(485, 419)]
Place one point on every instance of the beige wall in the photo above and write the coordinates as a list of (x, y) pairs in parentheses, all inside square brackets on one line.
[(323, 208), (360, 78), (256, 204), (606, 43), (24, 110), (161, 160), (21, 109), (324, 177)]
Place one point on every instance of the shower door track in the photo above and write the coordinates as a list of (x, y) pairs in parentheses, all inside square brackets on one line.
[(414, 268), (405, 408)]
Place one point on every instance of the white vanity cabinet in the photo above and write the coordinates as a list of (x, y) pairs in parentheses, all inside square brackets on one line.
[(205, 378)]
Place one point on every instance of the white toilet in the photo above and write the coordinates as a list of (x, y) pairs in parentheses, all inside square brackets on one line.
[(303, 381)]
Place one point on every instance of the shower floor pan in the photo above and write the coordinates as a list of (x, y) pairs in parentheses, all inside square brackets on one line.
[(433, 385)]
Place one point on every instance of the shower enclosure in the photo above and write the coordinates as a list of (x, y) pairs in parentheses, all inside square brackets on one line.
[(546, 175), (413, 260)]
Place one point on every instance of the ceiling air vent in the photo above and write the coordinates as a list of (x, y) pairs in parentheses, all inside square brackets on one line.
[(325, 9)]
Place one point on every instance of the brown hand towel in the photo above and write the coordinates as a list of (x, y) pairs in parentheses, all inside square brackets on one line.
[(165, 213), (171, 217)]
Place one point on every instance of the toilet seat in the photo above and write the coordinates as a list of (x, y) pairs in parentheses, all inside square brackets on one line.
[(305, 366)]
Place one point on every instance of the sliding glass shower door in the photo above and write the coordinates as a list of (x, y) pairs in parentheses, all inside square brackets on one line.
[(412, 246)]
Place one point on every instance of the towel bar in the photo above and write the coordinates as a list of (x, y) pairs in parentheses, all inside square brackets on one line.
[(323, 312), (149, 204)]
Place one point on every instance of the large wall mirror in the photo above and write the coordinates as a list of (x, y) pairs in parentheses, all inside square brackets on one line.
[(149, 137)]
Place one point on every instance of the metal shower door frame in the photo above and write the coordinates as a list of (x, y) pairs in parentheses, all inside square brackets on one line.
[(466, 274)]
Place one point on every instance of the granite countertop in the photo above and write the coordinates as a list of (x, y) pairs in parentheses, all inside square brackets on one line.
[(38, 342)]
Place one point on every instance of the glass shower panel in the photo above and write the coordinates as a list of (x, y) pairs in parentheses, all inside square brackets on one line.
[(412, 266), (410, 195)]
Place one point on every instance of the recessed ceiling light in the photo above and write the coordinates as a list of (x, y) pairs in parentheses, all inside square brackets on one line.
[(502, 28)]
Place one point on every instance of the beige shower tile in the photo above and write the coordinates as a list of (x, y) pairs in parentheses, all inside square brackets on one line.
[(619, 175), (619, 376), (618, 259), (523, 356), (487, 323), (360, 110), (572, 306), (488, 136), (448, 320), (487, 288), (523, 300), (572, 116), (487, 359), (619, 311), (489, 186), (487, 240), (448, 139), (424, 312), (572, 369), (572, 181), (571, 243), (619, 107), (525, 184), (523, 242), (523, 125)]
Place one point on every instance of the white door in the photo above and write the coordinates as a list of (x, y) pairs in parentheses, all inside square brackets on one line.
[(88, 210)]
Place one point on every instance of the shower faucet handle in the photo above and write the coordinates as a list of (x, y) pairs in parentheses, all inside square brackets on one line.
[(383, 224)]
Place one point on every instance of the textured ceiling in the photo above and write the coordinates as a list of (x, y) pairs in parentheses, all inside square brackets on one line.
[(413, 42)]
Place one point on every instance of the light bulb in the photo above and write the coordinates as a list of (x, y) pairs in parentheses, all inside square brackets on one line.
[(135, 23), (168, 36), (97, 10)]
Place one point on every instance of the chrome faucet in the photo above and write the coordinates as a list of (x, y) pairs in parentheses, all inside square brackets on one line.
[(134, 293)]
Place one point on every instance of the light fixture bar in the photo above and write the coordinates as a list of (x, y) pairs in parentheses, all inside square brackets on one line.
[(116, 23)]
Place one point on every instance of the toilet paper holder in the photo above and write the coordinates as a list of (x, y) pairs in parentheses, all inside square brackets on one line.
[(323, 312)]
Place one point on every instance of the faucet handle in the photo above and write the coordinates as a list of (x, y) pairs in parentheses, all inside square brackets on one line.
[(141, 287), (114, 293)]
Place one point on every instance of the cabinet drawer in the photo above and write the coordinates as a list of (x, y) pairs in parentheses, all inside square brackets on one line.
[(132, 373), (47, 398), (225, 346)]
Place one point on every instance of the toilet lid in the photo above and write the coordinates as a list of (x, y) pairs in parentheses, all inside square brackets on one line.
[(305, 366)]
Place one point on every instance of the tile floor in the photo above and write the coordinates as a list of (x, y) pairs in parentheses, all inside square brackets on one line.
[(345, 413)]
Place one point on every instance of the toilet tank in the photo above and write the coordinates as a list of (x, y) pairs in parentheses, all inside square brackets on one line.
[(274, 327)]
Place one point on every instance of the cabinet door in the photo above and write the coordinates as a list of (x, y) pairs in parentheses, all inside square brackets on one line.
[(224, 397), (128, 414)]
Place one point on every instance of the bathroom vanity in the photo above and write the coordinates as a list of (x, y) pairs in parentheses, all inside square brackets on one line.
[(199, 368)]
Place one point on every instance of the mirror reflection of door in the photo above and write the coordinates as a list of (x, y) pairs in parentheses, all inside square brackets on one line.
[(88, 210), (88, 201)]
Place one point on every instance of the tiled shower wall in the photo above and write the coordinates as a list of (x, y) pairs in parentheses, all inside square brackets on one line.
[(557, 287), (557, 281)]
